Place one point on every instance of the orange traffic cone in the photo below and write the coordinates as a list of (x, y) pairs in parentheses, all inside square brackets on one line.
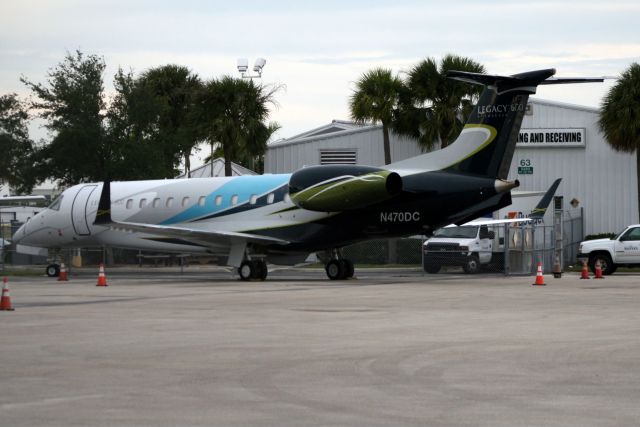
[(539, 277), (5, 302), (598, 270), (585, 270), (62, 277), (102, 279)]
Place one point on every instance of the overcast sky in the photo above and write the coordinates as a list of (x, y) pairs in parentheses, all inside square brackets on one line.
[(319, 49)]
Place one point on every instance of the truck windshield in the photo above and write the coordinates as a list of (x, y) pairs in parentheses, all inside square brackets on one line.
[(464, 232)]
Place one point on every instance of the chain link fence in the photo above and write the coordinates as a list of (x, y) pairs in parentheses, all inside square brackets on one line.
[(510, 249)]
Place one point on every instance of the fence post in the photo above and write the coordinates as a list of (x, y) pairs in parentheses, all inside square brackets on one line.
[(392, 249)]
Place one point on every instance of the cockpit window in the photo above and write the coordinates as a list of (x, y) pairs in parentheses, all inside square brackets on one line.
[(55, 206)]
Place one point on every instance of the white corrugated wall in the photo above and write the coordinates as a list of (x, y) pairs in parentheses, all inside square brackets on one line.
[(288, 157), (601, 179)]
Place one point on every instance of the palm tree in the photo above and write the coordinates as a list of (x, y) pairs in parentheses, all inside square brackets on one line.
[(233, 112), (620, 115), (253, 157), (375, 99), (435, 108)]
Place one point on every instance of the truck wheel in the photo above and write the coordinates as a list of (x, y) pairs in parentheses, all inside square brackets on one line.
[(431, 268), (607, 266), (472, 265)]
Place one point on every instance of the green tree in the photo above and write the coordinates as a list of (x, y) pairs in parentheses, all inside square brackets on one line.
[(253, 158), (232, 112), (72, 102), (15, 145), (620, 115), (375, 99), (435, 108), (173, 89), (131, 119)]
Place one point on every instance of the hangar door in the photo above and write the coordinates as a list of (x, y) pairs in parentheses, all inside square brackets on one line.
[(79, 210)]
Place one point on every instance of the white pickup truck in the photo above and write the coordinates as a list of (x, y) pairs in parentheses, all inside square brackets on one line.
[(624, 249), (469, 246)]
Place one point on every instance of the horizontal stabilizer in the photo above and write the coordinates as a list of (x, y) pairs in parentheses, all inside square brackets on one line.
[(530, 78)]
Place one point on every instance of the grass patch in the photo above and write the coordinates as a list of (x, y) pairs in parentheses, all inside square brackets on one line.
[(10, 271)]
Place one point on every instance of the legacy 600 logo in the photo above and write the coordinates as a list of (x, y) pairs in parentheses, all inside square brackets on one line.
[(499, 109)]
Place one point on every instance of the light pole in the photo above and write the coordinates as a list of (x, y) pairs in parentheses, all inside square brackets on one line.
[(243, 66)]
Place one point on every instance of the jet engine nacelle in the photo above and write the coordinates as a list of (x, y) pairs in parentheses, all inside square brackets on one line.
[(332, 188)]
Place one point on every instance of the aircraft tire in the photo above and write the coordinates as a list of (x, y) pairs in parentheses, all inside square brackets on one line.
[(53, 270), (247, 270), (348, 268), (260, 270), (335, 269)]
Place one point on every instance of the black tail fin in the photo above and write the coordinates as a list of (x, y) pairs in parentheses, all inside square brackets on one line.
[(500, 109), (103, 216), (486, 144), (541, 208)]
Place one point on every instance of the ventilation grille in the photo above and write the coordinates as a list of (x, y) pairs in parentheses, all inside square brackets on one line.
[(338, 157)]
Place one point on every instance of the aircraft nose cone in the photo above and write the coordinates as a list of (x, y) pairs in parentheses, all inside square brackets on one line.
[(19, 234)]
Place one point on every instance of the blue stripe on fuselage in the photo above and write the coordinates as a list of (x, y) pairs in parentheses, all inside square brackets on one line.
[(242, 186)]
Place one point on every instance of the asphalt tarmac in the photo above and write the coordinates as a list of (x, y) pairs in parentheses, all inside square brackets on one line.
[(393, 347)]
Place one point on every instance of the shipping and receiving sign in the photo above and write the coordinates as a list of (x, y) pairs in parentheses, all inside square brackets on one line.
[(571, 137)]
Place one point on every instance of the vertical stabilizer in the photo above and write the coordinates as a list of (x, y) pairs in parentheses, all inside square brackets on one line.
[(486, 144)]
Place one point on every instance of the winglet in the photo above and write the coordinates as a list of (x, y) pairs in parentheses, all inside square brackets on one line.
[(103, 216), (540, 209)]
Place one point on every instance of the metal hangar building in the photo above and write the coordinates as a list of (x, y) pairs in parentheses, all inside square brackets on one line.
[(556, 140)]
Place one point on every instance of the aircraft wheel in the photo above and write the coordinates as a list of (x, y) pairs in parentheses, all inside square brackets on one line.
[(260, 270), (335, 269), (53, 270), (246, 270), (348, 268)]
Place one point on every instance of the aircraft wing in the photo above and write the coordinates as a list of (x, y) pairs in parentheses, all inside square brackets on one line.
[(489, 221), (190, 234), (537, 212)]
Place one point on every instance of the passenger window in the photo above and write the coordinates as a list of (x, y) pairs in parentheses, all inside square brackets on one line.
[(156, 202), (253, 199), (129, 203), (234, 200), (270, 198), (202, 200), (169, 203), (185, 202), (143, 203), (218, 200)]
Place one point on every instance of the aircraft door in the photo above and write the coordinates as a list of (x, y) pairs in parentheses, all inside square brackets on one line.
[(79, 210)]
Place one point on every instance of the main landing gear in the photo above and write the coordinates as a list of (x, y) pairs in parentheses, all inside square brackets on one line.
[(255, 269), (53, 270), (339, 268)]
